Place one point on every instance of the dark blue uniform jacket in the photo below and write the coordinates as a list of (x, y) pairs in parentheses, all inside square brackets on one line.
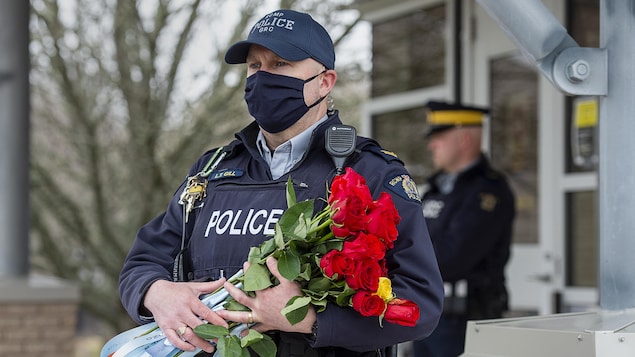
[(242, 205), (471, 227)]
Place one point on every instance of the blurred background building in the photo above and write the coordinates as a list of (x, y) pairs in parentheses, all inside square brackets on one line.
[(543, 140)]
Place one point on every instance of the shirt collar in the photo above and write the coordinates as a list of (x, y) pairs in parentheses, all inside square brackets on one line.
[(298, 144)]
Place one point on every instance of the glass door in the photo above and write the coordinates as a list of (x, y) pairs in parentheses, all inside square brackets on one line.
[(513, 89), (545, 143)]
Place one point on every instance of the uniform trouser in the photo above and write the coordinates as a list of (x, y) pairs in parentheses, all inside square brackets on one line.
[(447, 340)]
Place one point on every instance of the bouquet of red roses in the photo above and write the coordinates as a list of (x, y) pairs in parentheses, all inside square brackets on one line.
[(337, 255), (368, 228)]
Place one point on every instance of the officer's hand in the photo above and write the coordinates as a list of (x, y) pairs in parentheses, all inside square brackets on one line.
[(177, 309), (266, 307)]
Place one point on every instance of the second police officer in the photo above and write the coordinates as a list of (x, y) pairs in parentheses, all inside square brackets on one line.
[(469, 209)]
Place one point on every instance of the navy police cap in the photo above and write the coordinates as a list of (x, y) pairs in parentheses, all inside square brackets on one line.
[(442, 116), (292, 35)]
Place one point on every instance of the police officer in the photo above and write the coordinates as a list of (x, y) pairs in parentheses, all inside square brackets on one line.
[(469, 210), (290, 67)]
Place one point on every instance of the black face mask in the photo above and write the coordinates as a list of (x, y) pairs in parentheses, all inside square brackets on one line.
[(276, 101)]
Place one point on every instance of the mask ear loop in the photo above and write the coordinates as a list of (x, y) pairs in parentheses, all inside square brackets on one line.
[(329, 100), (330, 103), (314, 77)]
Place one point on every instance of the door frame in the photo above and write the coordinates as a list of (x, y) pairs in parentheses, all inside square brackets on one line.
[(532, 270)]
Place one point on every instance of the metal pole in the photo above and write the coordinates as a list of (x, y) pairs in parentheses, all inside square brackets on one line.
[(617, 166), (458, 51), (14, 138)]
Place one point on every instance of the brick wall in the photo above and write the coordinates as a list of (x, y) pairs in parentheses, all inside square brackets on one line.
[(35, 329), (41, 323)]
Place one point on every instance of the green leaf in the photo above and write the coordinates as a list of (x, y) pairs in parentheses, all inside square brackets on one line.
[(343, 299), (209, 331), (296, 309), (254, 255), (319, 305), (338, 286), (289, 265), (233, 305), (277, 253), (320, 284), (246, 353), (278, 236), (229, 346), (300, 229), (298, 247), (265, 347), (292, 216), (325, 247), (290, 193), (252, 337), (337, 244), (305, 272), (315, 295), (267, 248), (256, 278)]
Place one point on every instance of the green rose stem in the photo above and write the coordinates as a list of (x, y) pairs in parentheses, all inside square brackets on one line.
[(322, 226), (229, 343), (329, 235)]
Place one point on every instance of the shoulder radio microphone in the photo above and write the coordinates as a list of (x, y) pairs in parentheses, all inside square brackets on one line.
[(340, 143)]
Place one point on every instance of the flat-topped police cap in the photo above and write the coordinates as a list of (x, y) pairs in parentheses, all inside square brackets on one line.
[(441, 116), (292, 35)]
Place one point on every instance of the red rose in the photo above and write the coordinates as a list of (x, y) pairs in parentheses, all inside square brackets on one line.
[(368, 304), (341, 231), (402, 312), (349, 216), (365, 276), (349, 199), (335, 262), (349, 183), (383, 219), (365, 246)]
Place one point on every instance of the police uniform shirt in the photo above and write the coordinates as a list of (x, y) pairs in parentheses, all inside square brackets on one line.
[(445, 182), (471, 225), (240, 209), (288, 153)]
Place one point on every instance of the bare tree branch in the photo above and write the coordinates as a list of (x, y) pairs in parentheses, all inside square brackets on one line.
[(115, 129)]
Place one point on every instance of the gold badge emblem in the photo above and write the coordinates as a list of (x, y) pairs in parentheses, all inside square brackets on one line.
[(488, 202), (405, 186)]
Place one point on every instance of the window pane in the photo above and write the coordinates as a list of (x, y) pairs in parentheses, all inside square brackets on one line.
[(409, 52), (514, 137), (582, 242), (402, 133)]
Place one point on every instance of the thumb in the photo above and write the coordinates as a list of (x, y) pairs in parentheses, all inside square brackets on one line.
[(272, 265)]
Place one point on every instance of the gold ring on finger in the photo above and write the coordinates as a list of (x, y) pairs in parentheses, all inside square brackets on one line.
[(180, 331)]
